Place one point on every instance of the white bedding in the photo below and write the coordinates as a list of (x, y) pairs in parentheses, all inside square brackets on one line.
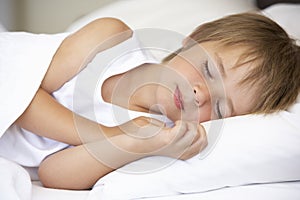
[(15, 181), (276, 191), (24, 60), (276, 140)]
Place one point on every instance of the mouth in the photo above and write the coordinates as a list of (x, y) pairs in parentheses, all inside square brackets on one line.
[(178, 99)]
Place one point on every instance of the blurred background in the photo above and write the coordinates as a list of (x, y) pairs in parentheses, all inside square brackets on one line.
[(55, 16), (44, 16)]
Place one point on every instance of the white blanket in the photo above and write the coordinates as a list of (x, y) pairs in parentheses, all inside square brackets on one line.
[(24, 60), (15, 181)]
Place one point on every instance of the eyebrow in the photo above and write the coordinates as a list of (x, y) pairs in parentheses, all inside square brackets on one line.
[(220, 65)]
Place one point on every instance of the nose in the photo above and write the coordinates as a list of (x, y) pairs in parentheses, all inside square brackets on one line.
[(201, 94)]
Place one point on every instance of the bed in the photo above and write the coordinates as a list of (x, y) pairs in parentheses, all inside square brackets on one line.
[(255, 157)]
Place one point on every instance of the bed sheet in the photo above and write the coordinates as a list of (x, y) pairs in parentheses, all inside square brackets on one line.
[(41, 193), (275, 191)]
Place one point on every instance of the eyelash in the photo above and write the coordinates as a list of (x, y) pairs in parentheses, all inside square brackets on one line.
[(206, 69), (208, 73), (218, 110)]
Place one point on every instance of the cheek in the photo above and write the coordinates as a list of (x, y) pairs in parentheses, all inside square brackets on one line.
[(162, 95), (164, 99), (200, 114), (189, 76), (205, 114)]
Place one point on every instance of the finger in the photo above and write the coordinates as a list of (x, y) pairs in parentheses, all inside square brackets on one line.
[(190, 135), (154, 126), (193, 127), (179, 130), (199, 143), (193, 150), (203, 136)]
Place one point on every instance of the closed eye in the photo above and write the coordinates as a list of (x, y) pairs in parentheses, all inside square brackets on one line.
[(207, 71), (218, 110)]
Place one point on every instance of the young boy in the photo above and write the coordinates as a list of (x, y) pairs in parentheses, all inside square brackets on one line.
[(236, 65)]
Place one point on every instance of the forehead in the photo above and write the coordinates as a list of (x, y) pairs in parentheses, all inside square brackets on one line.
[(242, 96)]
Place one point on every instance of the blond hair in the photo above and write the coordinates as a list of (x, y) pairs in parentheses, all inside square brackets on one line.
[(277, 57)]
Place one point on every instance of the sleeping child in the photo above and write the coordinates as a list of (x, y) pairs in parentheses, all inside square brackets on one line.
[(94, 112)]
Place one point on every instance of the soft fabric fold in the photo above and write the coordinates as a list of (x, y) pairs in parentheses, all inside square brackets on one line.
[(24, 60)]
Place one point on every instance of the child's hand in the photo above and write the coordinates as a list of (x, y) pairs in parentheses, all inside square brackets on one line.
[(183, 141), (141, 127)]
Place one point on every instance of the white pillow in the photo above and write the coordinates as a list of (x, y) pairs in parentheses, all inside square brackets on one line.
[(251, 149), (174, 15)]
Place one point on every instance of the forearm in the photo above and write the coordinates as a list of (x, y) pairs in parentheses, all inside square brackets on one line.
[(80, 167), (46, 117)]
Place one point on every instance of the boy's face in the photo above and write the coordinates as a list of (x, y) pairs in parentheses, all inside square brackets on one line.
[(202, 84)]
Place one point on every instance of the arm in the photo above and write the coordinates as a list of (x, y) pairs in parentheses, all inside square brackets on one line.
[(80, 167), (78, 49), (46, 117)]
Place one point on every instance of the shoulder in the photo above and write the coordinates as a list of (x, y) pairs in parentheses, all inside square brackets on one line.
[(80, 47), (97, 32), (109, 22), (105, 26)]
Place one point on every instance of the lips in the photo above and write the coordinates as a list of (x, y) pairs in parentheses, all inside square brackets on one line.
[(178, 99)]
